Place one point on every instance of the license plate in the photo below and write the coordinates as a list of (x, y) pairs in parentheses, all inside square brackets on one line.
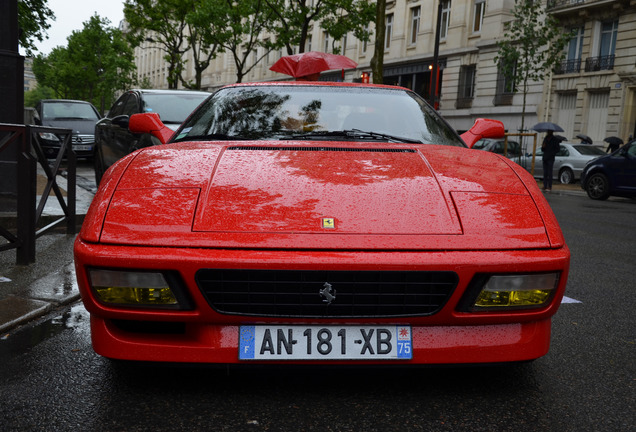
[(82, 147), (274, 342)]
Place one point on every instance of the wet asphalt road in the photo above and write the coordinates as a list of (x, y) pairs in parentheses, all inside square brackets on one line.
[(50, 379)]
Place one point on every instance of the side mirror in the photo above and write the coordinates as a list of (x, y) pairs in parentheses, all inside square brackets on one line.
[(121, 121), (150, 123), (483, 128)]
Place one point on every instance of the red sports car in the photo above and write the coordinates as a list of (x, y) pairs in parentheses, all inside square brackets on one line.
[(319, 223)]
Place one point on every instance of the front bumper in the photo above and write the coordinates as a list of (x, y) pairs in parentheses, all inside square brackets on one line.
[(208, 343), (201, 334)]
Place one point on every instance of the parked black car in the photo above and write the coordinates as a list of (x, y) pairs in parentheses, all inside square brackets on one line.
[(611, 175), (113, 140), (79, 116)]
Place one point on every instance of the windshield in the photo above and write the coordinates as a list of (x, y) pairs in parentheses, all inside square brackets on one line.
[(172, 107), (68, 111), (317, 112)]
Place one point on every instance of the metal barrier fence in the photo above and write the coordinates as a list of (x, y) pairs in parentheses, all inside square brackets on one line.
[(28, 212)]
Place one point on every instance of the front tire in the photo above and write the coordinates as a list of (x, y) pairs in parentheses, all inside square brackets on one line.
[(597, 187), (566, 176)]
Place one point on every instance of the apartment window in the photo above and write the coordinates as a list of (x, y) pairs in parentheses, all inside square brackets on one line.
[(446, 5), (466, 90), (574, 50), (388, 31), (365, 44), (308, 44), (609, 31), (606, 49), (415, 23), (467, 81), (344, 44), (505, 86), (478, 15), (326, 42)]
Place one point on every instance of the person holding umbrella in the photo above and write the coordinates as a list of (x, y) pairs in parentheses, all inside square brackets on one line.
[(613, 143), (550, 148)]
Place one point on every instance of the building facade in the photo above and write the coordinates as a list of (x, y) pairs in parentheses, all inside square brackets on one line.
[(469, 84), (593, 92)]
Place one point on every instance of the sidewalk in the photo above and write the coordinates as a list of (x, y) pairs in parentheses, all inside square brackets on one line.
[(28, 291)]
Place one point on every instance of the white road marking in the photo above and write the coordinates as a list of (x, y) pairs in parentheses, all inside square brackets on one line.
[(569, 300)]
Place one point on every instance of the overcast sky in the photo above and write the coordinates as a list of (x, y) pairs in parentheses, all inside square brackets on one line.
[(71, 14)]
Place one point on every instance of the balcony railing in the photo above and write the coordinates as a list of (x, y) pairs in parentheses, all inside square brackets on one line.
[(560, 4), (599, 63), (568, 66)]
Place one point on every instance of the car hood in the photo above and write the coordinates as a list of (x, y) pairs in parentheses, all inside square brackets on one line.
[(317, 196), (78, 126)]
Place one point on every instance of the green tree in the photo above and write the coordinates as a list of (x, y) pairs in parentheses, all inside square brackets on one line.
[(55, 71), (336, 17), (238, 27), (163, 22), (204, 49), (105, 61), (33, 20), (32, 97), (532, 45), (97, 63)]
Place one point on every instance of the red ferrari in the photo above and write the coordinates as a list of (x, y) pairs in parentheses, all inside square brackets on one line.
[(319, 223)]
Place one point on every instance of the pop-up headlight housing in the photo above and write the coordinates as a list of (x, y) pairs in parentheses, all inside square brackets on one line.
[(503, 292), (137, 288)]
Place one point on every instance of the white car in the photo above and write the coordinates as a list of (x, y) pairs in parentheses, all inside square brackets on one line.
[(568, 163)]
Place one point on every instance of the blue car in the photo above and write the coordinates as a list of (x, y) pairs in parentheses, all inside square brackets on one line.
[(611, 175)]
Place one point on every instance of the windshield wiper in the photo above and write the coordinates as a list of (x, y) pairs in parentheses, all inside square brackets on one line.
[(211, 137), (354, 134)]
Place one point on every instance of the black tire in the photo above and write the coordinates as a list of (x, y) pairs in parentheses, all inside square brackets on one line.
[(98, 163), (597, 187), (566, 176)]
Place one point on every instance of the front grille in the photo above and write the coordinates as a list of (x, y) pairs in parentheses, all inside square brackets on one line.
[(83, 139), (296, 293)]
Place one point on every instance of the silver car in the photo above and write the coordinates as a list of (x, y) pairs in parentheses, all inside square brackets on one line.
[(568, 163)]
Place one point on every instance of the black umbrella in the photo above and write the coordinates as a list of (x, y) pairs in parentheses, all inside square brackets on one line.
[(547, 126), (614, 140), (560, 137), (584, 138)]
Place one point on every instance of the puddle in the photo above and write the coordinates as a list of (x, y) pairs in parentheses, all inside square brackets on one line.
[(23, 339)]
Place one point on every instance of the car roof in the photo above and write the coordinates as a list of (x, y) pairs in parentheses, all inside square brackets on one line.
[(65, 101), (315, 84), (174, 91)]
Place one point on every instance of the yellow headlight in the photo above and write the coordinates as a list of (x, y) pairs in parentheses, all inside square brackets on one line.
[(532, 290), (132, 288)]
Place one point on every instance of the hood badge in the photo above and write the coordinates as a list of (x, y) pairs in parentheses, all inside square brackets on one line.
[(327, 293), (328, 223)]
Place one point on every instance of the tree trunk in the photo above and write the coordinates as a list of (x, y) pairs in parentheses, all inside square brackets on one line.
[(377, 62)]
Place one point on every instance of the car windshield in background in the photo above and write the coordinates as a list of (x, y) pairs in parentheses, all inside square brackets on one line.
[(317, 113), (68, 111), (173, 108), (589, 150)]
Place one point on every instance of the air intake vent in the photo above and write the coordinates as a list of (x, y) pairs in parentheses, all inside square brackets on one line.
[(327, 149), (297, 293)]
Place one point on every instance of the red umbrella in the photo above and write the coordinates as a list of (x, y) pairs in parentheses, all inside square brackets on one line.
[(311, 63)]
